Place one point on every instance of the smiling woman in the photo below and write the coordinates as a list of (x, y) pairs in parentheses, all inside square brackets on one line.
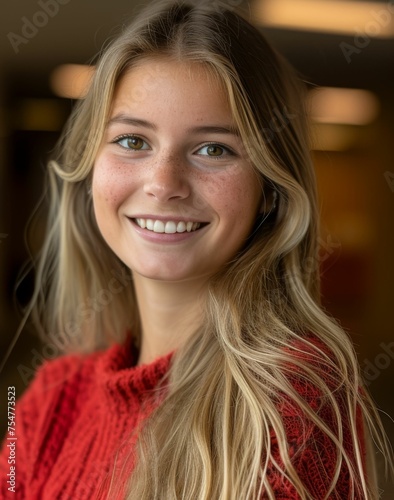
[(212, 372), (168, 150)]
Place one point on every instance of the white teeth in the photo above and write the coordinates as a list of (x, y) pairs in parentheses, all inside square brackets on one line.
[(141, 223), (158, 227), (181, 227), (169, 227)]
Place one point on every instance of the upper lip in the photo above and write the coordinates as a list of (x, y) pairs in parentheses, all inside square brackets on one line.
[(174, 218)]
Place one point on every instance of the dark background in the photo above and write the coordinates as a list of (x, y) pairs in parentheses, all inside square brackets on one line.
[(356, 184)]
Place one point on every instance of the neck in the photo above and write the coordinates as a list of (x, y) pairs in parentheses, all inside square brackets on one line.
[(170, 313)]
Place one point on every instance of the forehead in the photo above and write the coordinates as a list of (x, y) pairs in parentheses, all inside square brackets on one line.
[(160, 80)]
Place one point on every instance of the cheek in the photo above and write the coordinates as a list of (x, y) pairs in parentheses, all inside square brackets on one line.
[(111, 183), (237, 197)]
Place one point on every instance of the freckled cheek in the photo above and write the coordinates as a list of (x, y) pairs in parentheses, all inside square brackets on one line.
[(112, 183), (236, 198)]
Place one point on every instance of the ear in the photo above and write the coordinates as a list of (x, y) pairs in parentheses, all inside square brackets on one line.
[(269, 202)]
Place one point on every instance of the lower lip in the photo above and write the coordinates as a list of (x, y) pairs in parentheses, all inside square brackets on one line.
[(164, 237)]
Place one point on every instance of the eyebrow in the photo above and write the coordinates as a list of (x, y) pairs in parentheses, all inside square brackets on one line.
[(203, 129)]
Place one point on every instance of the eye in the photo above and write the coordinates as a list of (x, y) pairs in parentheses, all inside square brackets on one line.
[(215, 151), (132, 142)]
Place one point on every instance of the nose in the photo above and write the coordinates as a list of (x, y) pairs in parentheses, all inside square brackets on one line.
[(167, 179)]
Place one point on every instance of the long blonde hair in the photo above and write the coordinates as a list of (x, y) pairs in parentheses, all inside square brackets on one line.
[(210, 437)]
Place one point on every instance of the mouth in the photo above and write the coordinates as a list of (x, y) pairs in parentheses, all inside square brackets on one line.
[(169, 226)]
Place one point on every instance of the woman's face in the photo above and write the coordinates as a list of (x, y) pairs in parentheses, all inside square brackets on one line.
[(174, 194)]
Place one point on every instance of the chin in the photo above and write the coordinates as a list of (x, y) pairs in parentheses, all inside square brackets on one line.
[(171, 273), (161, 273)]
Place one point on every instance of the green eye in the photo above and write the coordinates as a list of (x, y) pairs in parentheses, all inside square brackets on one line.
[(215, 151)]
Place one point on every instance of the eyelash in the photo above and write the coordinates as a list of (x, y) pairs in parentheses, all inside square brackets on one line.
[(228, 151), (126, 136)]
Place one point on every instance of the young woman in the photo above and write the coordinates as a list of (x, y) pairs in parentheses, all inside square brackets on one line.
[(180, 273)]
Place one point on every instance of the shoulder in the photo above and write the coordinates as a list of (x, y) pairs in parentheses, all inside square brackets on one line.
[(320, 403), (318, 419), (316, 384), (62, 386), (66, 371), (57, 390), (58, 395), (312, 368)]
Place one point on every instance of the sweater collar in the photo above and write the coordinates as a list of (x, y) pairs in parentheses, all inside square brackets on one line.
[(123, 381)]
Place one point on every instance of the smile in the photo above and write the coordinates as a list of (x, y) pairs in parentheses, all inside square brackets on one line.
[(168, 227)]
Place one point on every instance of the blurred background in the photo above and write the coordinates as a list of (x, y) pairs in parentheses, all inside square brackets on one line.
[(343, 49)]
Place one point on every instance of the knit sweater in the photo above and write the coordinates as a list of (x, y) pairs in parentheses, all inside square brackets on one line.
[(75, 421)]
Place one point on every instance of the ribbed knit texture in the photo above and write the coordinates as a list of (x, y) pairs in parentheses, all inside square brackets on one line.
[(80, 413)]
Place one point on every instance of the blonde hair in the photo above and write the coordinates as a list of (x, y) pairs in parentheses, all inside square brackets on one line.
[(210, 437)]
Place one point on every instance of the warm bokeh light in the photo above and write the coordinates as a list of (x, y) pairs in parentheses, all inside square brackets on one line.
[(327, 137), (339, 117), (343, 106), (370, 19), (39, 114), (71, 80)]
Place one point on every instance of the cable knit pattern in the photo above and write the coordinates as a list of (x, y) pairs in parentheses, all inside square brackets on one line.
[(80, 411), (73, 420)]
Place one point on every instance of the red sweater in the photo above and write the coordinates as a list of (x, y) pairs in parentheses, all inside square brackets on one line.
[(80, 410)]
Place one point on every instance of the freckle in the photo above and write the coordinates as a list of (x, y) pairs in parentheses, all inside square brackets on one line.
[(204, 177)]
